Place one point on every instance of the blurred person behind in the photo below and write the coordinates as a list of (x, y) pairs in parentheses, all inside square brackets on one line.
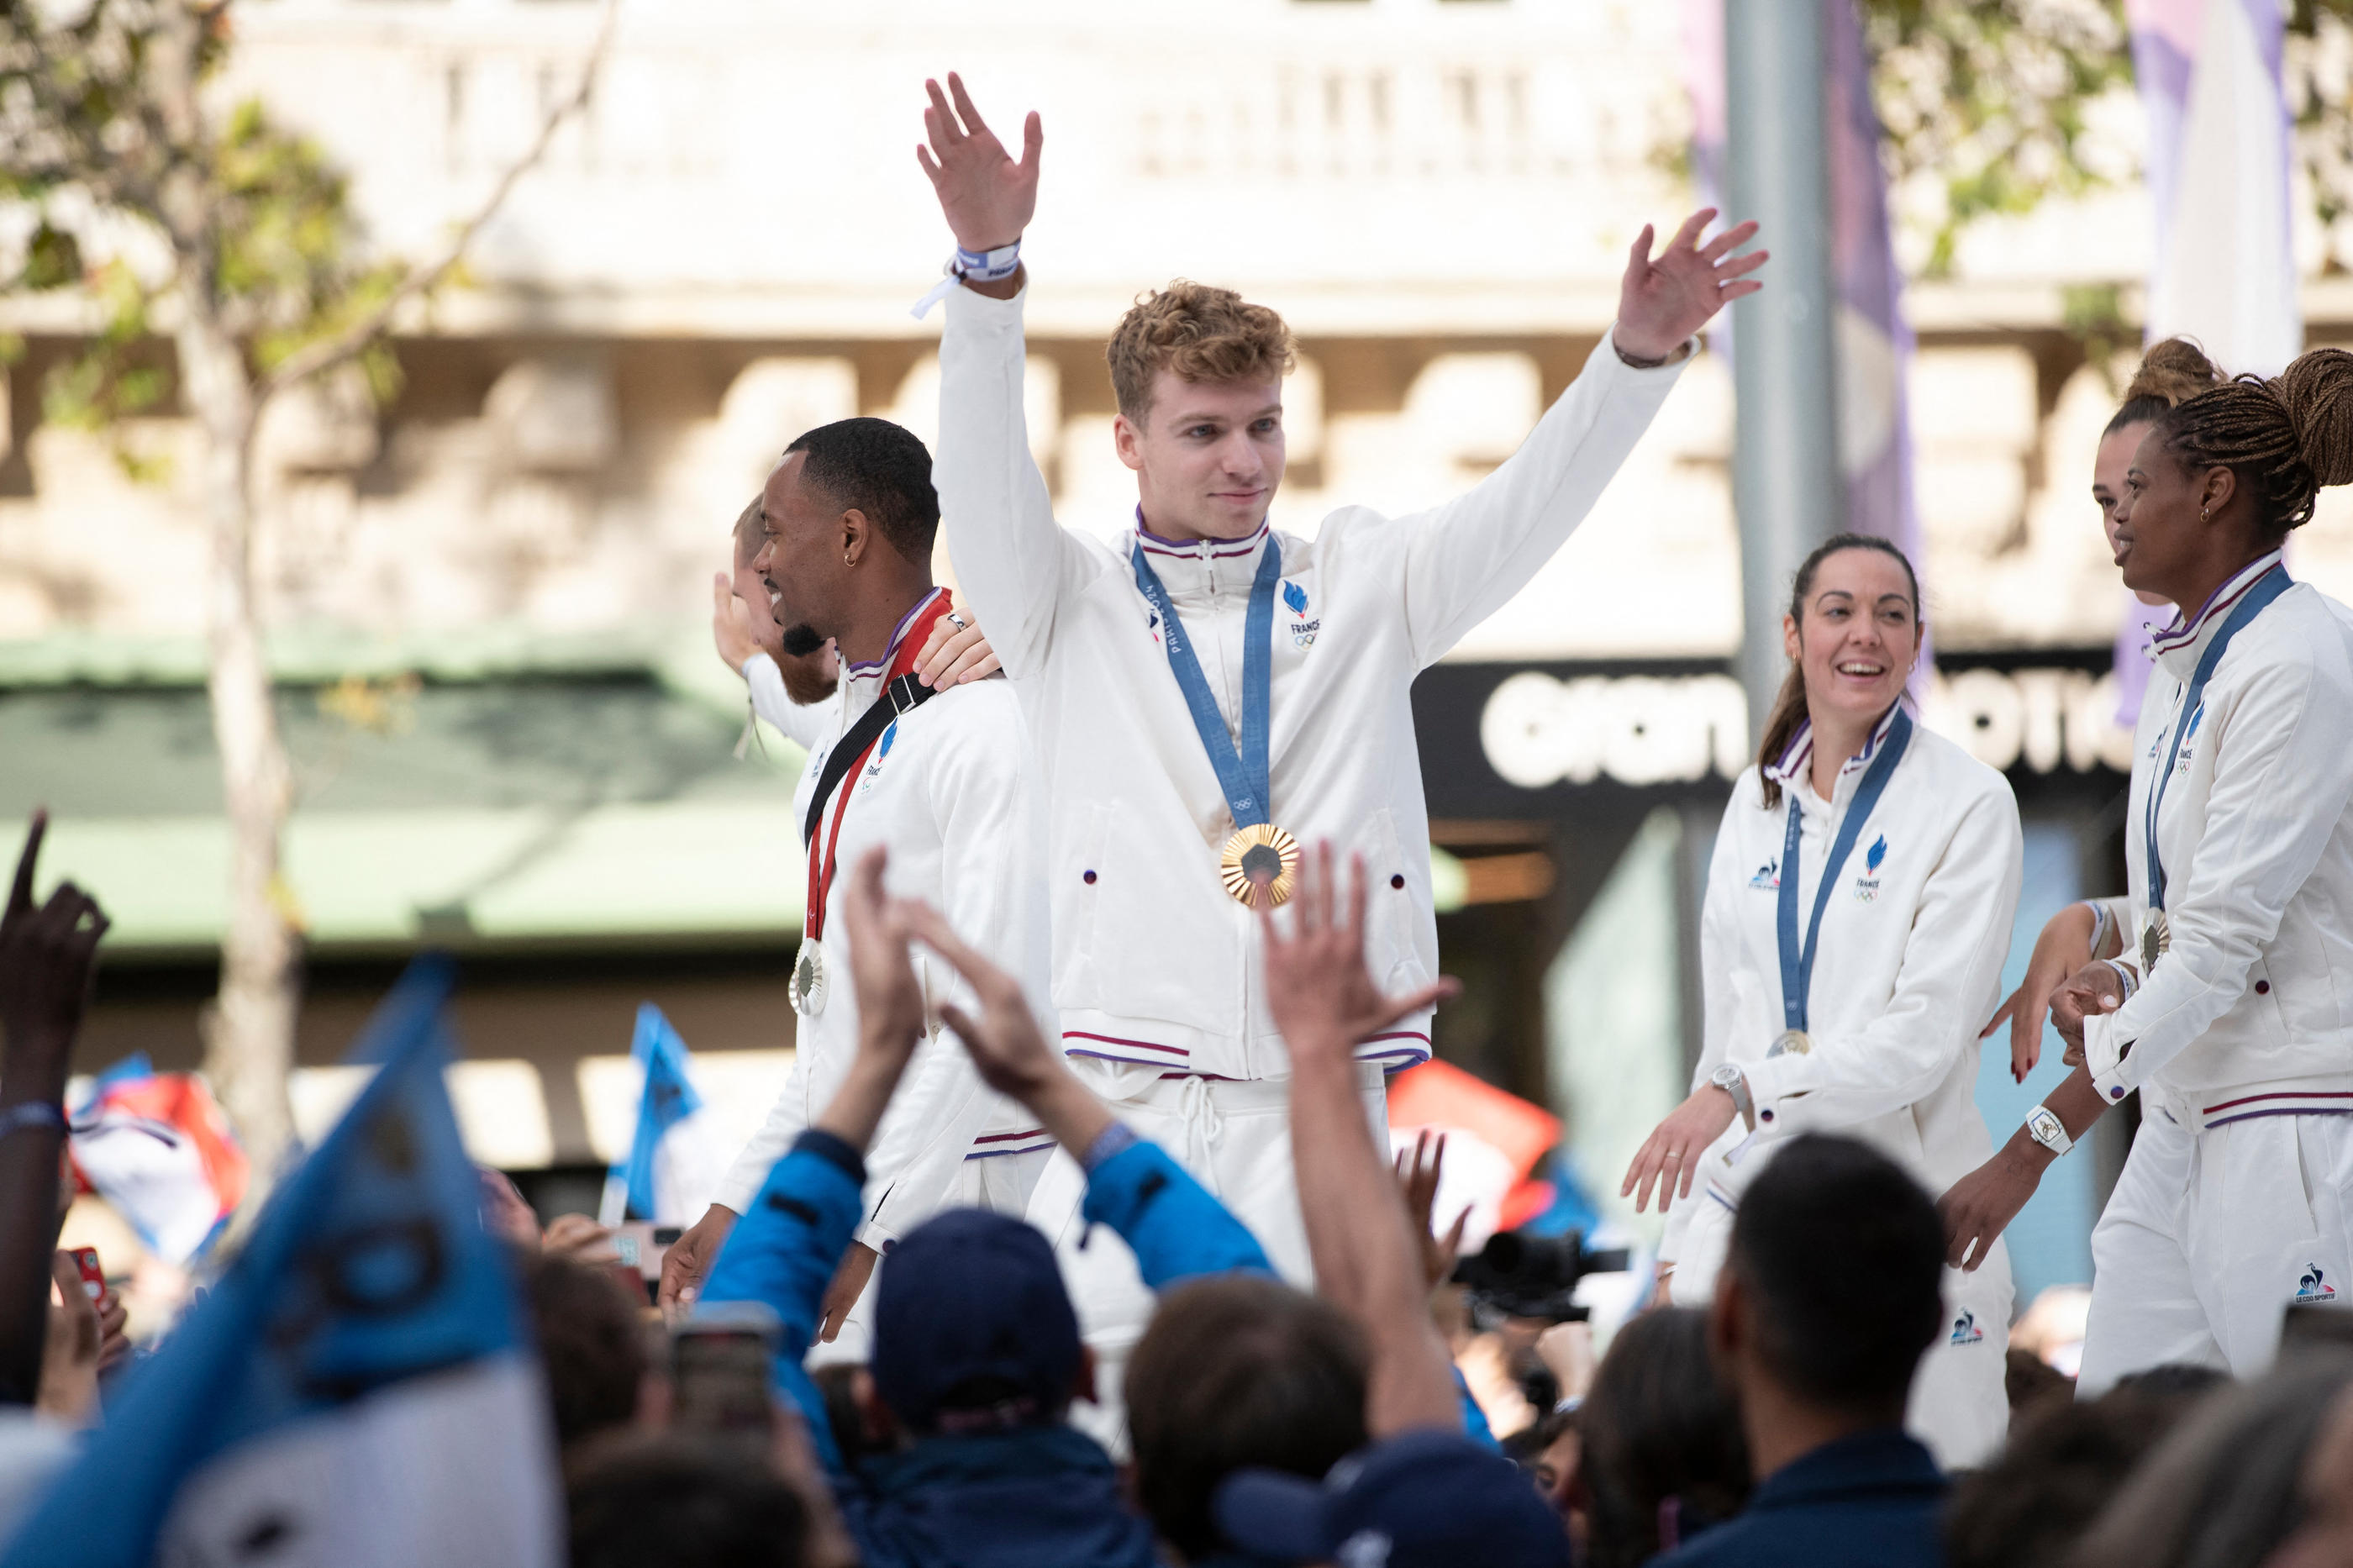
[(1232, 1373), (941, 776), (50, 1353), (1662, 1454), (591, 1342), (1828, 1295), (2233, 1485), (2322, 1536), (1858, 913), (2064, 1463), (681, 1500), (2092, 929), (48, 954), (976, 1355), (2231, 1013)]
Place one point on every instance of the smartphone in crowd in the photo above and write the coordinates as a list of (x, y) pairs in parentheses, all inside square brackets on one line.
[(720, 1368), (93, 1278), (641, 1245)]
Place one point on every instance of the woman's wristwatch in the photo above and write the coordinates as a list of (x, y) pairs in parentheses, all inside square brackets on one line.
[(1733, 1082), (2047, 1130)]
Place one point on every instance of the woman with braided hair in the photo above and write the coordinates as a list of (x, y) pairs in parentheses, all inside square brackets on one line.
[(2230, 1007), (2171, 372)]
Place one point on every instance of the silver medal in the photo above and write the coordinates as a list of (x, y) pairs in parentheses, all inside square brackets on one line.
[(2156, 937), (808, 987)]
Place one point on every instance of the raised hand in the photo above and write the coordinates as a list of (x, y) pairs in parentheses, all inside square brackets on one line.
[(986, 196), (1007, 1049), (1664, 299), (46, 954), (1417, 1174), (736, 627), (1322, 995)]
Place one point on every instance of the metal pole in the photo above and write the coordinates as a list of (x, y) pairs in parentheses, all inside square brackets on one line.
[(1787, 487)]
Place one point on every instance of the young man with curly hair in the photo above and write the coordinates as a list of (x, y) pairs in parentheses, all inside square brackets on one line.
[(1212, 694)]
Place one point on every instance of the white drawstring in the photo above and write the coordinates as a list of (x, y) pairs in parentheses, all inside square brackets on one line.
[(1203, 1129)]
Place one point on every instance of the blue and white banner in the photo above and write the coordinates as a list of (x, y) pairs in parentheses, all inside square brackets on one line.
[(359, 1388), (674, 1163)]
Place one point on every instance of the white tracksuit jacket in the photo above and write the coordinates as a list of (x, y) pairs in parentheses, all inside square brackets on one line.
[(949, 791), (1153, 963), (1907, 967), (2249, 1012)]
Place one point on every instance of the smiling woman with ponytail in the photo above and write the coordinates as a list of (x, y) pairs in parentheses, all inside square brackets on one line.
[(1857, 915), (2229, 1003)]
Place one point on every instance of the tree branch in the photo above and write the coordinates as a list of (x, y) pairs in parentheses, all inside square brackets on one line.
[(354, 339)]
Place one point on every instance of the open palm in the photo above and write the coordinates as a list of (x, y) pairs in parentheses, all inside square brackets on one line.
[(1662, 300), (986, 196)]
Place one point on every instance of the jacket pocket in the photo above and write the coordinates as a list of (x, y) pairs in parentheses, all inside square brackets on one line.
[(1077, 854), (1147, 933), (1394, 907)]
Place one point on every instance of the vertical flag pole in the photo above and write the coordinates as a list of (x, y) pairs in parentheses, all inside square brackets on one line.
[(1788, 488)]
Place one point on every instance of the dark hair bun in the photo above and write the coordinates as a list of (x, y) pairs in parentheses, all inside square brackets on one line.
[(2172, 372), (2317, 392)]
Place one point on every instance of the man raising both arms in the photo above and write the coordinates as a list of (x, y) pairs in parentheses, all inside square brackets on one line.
[(1210, 694), (938, 774)]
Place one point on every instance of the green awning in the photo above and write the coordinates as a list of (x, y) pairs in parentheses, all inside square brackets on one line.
[(489, 790)]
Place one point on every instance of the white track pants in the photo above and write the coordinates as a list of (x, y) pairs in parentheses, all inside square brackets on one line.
[(1234, 1138), (2211, 1235), (1001, 1182)]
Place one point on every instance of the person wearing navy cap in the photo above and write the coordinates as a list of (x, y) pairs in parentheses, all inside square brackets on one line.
[(977, 1356)]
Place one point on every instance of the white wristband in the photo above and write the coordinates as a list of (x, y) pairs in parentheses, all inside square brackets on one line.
[(971, 265), (2046, 1129), (2125, 974), (2101, 923)]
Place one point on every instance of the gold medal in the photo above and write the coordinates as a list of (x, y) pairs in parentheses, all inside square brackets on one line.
[(808, 987), (1261, 864), (2156, 937), (1789, 1043)]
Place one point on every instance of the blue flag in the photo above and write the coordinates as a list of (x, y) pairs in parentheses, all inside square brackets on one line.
[(358, 1389), (667, 1099)]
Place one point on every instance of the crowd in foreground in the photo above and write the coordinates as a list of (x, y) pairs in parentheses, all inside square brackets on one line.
[(1269, 1425)]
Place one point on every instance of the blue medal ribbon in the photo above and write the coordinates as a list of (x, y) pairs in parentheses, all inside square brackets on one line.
[(1241, 774), (2265, 589), (1798, 962)]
